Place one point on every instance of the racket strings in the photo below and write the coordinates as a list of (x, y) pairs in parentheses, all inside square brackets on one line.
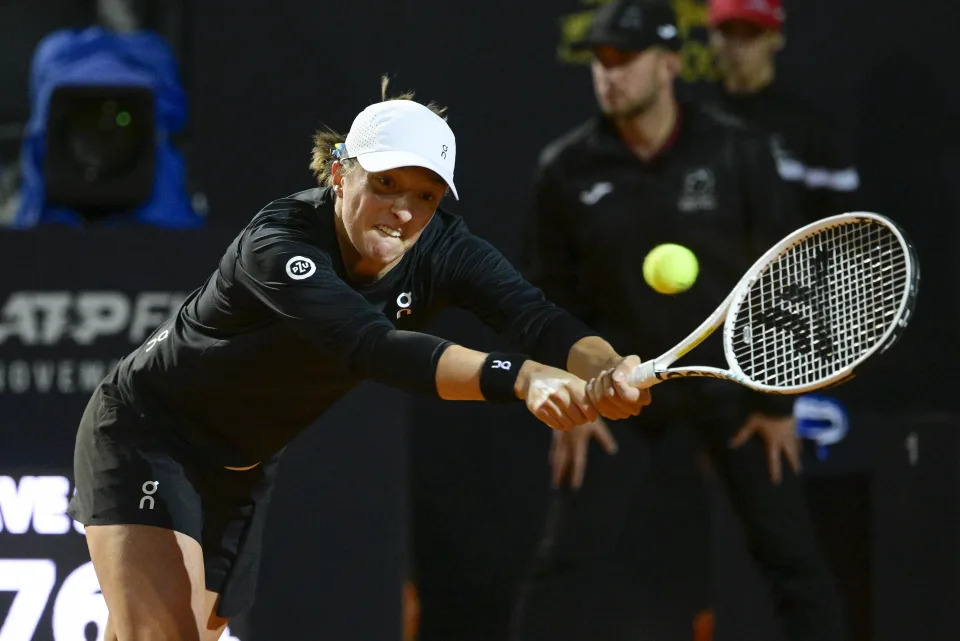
[(821, 305)]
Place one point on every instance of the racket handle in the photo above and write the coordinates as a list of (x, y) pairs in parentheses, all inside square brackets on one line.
[(644, 375)]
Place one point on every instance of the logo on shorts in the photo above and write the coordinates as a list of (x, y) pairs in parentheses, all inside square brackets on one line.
[(300, 267), (149, 489)]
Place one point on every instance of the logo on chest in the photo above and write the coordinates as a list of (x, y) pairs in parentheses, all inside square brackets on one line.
[(699, 191), (597, 191), (405, 303)]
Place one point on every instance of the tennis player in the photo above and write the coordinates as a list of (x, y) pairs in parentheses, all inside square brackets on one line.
[(177, 451)]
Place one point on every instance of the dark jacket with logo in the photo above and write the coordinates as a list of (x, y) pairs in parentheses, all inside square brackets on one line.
[(599, 210), (812, 157)]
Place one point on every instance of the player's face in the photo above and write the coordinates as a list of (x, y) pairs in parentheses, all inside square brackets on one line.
[(383, 213), (744, 50)]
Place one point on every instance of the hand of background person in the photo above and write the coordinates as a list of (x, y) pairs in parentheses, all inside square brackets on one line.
[(568, 451), (779, 434)]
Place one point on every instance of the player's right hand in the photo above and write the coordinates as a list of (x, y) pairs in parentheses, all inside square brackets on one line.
[(556, 397)]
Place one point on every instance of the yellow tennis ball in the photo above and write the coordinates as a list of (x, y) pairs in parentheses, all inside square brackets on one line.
[(670, 268)]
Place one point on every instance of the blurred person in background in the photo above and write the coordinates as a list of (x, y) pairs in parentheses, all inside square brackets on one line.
[(108, 111), (624, 553), (177, 452), (815, 159)]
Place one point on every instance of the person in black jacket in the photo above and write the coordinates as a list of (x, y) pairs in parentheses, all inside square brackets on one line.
[(812, 156), (177, 451), (623, 553)]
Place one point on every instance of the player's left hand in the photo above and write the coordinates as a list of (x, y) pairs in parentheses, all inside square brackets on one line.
[(779, 434), (613, 397)]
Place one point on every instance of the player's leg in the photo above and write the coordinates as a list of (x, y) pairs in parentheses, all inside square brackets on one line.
[(135, 493), (153, 583), (234, 520), (110, 632), (214, 625)]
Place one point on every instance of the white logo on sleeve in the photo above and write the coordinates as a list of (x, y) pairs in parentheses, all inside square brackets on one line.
[(404, 301), (149, 489), (300, 267)]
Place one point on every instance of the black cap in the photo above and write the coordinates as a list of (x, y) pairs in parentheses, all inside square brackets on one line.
[(633, 25)]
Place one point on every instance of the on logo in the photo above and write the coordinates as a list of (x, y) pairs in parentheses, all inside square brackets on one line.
[(404, 301), (149, 489), (300, 267), (502, 365), (162, 336)]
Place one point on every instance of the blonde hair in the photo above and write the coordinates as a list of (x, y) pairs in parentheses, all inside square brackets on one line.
[(326, 139)]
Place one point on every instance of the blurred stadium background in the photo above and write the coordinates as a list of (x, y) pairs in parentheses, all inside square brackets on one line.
[(249, 87)]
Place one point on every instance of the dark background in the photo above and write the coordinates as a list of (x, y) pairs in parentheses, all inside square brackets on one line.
[(260, 80)]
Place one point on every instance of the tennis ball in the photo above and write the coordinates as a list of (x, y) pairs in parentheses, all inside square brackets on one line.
[(670, 268)]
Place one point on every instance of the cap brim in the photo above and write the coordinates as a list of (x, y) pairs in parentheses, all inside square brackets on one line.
[(762, 21), (386, 160), (624, 43), (621, 43)]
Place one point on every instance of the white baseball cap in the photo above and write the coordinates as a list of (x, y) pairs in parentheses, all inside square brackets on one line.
[(402, 133)]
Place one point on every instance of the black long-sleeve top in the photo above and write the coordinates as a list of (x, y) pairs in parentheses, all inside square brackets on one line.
[(279, 332)]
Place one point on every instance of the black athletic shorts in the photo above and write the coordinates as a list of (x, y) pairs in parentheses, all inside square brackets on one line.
[(128, 470)]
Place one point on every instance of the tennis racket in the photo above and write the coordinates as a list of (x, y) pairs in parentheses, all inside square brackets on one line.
[(810, 311)]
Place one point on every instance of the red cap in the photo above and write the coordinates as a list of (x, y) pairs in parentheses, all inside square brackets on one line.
[(766, 13)]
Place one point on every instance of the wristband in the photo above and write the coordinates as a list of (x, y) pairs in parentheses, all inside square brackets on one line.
[(498, 376)]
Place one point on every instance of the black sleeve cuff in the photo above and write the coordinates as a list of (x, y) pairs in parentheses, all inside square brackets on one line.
[(406, 360), (557, 337)]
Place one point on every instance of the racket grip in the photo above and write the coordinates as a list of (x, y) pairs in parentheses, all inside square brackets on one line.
[(644, 375)]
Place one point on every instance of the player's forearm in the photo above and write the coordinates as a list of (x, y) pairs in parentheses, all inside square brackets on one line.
[(591, 355), (458, 374)]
